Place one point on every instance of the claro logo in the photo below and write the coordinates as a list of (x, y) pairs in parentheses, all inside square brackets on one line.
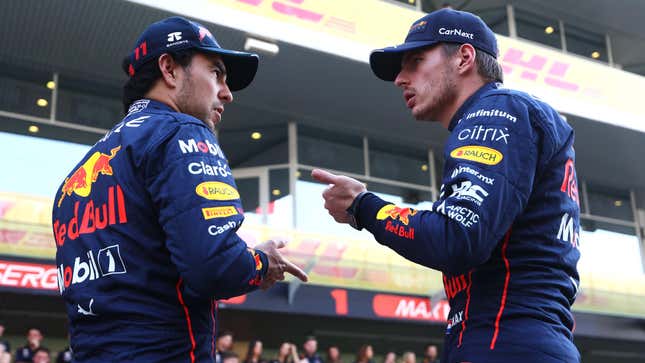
[(480, 154)]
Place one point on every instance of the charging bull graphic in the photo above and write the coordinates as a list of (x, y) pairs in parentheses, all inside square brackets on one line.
[(395, 213), (80, 182)]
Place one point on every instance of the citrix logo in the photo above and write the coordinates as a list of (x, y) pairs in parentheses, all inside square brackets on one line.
[(482, 133)]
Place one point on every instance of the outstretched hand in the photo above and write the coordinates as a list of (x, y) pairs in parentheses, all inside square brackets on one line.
[(340, 194), (278, 265)]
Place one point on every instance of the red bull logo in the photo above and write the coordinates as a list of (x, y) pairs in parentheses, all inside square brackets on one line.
[(400, 230), (256, 258), (81, 180), (257, 280), (420, 26), (395, 213), (258, 262), (92, 216)]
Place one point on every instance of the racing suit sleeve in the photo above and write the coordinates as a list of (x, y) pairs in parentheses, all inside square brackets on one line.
[(489, 170), (199, 208)]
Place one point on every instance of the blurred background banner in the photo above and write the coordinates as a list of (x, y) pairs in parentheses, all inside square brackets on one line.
[(339, 27), (344, 28), (572, 84), (330, 260), (25, 226)]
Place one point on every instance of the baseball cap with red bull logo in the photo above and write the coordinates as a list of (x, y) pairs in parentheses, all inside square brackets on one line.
[(178, 33), (441, 26)]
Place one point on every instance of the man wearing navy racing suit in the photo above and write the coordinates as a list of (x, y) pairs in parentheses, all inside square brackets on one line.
[(504, 231), (145, 225)]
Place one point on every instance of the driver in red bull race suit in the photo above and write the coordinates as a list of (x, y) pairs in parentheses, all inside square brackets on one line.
[(145, 225), (504, 231)]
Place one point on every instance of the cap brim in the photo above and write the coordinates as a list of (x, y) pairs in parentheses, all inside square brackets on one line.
[(241, 67), (386, 62)]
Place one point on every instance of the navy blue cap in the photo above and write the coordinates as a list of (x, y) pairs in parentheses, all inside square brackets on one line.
[(445, 25), (177, 33)]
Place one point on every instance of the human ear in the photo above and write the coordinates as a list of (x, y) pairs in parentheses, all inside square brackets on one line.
[(168, 68), (466, 56)]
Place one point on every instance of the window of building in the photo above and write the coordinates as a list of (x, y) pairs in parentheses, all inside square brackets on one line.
[(331, 150), (607, 202), (89, 103), (265, 194), (593, 225), (249, 189), (495, 18), (538, 28), (24, 90), (609, 249), (396, 162), (635, 68), (311, 213), (280, 209), (256, 146), (586, 43)]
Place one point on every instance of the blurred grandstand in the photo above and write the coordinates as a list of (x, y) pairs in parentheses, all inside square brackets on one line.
[(315, 103)]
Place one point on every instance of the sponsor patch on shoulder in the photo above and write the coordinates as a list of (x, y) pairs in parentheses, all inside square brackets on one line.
[(479, 154), (219, 212), (395, 213), (216, 191)]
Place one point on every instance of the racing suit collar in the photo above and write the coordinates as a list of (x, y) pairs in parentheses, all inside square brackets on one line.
[(456, 118), (145, 103), (160, 106)]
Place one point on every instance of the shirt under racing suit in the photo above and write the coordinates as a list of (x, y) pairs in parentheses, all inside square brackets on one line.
[(504, 231), (145, 228)]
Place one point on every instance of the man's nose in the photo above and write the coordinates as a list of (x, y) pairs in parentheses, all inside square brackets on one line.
[(401, 79), (225, 94)]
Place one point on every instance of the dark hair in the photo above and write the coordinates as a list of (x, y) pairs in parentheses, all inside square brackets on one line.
[(251, 349), (145, 77), (487, 66), (361, 356)]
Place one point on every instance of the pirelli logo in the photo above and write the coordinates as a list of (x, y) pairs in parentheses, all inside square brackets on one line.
[(219, 212), (480, 154)]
